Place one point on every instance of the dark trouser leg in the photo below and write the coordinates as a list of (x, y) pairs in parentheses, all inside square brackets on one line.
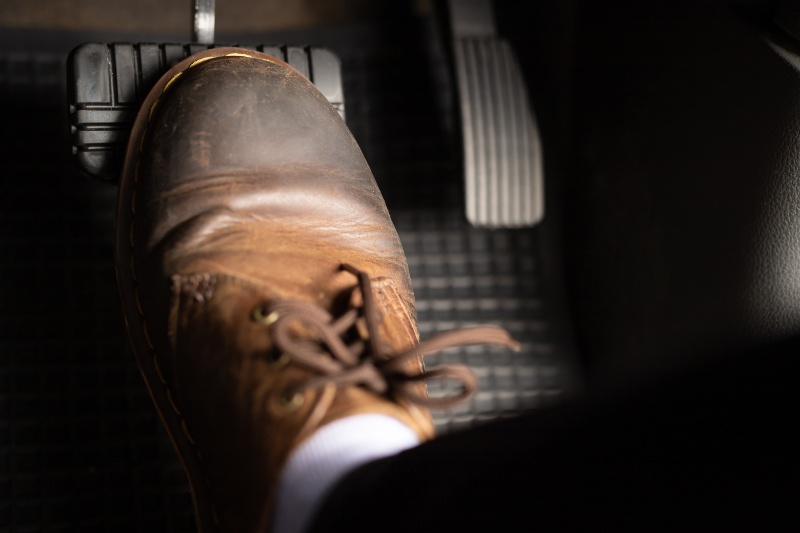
[(714, 448)]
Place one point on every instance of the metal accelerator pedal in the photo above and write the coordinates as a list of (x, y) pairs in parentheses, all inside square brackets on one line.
[(504, 183), (107, 83)]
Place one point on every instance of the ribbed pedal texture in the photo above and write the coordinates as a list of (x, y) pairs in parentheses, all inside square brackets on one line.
[(108, 81), (502, 152)]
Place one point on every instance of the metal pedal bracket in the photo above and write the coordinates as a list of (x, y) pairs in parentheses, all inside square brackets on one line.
[(504, 181)]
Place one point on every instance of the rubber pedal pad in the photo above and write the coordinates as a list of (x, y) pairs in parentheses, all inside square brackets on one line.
[(107, 83)]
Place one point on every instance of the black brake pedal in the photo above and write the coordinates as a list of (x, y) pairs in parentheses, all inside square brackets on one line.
[(107, 83)]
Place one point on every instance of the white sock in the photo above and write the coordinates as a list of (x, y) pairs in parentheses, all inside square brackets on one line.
[(329, 454)]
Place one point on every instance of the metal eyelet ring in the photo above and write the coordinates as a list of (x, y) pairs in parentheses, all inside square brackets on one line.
[(278, 360), (262, 315), (292, 401)]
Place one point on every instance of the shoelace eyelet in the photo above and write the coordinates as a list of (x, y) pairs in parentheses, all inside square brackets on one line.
[(292, 401), (262, 315), (278, 359)]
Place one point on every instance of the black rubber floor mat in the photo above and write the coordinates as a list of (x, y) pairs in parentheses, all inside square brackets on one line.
[(465, 276), (81, 447)]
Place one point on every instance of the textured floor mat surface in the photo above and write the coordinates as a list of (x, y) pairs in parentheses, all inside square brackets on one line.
[(81, 448)]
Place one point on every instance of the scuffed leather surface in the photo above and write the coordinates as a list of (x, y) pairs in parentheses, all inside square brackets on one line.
[(244, 186), (259, 148), (250, 172)]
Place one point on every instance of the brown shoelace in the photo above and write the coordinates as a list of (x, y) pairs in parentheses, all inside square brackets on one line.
[(369, 362)]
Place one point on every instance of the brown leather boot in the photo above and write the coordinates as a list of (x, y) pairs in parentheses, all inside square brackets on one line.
[(264, 286)]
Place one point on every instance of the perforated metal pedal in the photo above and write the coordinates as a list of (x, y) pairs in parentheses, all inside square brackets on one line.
[(504, 179), (107, 83)]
